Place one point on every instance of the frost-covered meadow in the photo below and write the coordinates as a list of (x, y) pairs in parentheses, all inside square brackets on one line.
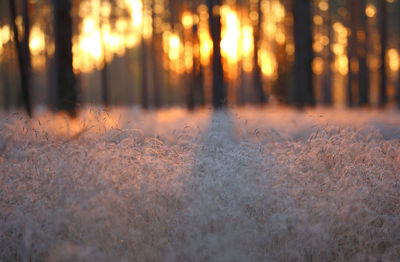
[(241, 185)]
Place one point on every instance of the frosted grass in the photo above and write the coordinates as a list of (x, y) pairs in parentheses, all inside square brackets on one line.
[(244, 185)]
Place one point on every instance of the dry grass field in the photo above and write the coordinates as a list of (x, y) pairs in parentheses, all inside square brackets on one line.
[(241, 185)]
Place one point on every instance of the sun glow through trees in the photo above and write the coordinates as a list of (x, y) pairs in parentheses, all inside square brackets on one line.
[(260, 31), (99, 39), (103, 35)]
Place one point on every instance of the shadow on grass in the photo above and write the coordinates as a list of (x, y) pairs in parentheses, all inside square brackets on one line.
[(230, 203)]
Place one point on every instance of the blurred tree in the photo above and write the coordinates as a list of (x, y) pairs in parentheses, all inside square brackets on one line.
[(190, 36), (382, 16), (156, 57), (357, 55), (145, 76), (241, 88), (104, 73), (219, 87), (257, 74), (173, 83), (198, 70), (303, 87), (397, 98), (353, 8), (145, 65), (6, 79), (280, 87), (363, 72), (23, 52), (328, 77), (398, 90), (104, 81), (65, 78)]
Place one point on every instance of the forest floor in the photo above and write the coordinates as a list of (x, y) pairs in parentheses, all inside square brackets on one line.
[(247, 184)]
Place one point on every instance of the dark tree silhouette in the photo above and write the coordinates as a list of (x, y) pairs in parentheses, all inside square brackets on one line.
[(219, 88), (357, 55), (397, 98), (65, 78), (257, 75), (104, 70), (145, 76), (398, 90), (382, 16), (104, 81), (194, 78), (303, 86), (145, 65), (23, 52), (353, 9), (328, 77), (363, 73), (191, 35), (156, 56), (6, 78)]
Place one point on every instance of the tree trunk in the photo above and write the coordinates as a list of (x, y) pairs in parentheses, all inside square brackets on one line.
[(104, 70), (219, 88), (191, 81), (23, 52), (328, 79), (6, 93), (383, 41), (104, 82), (363, 73), (257, 74), (65, 78), (145, 82), (279, 87), (190, 77), (51, 92), (198, 70), (398, 90), (303, 87), (156, 57), (353, 8), (398, 46)]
